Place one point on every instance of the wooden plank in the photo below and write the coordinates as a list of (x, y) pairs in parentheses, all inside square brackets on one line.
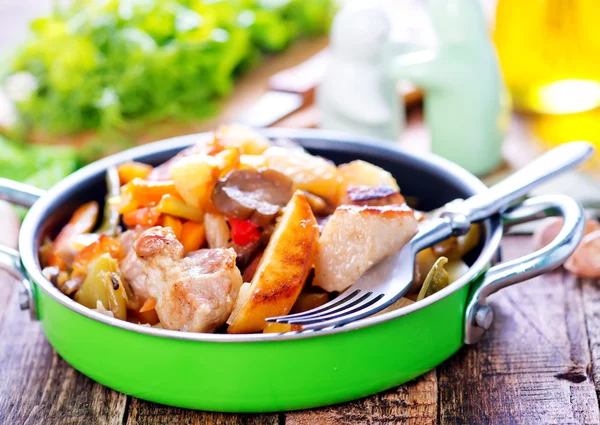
[(8, 285), (591, 297), (533, 366), (141, 412), (39, 387), (412, 403)]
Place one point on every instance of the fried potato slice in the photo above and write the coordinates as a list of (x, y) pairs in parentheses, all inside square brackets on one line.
[(282, 271), (247, 140), (311, 173), (361, 173), (195, 176)]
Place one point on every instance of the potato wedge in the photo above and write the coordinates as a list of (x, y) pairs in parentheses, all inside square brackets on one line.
[(248, 141), (362, 173), (195, 177), (255, 162), (311, 173), (282, 271)]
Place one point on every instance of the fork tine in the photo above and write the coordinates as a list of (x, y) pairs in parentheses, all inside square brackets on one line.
[(331, 304), (340, 307), (351, 308), (381, 303)]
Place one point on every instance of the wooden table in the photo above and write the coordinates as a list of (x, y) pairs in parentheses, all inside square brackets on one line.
[(538, 364)]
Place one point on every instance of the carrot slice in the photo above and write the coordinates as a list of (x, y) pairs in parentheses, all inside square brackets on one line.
[(148, 305), (174, 223), (131, 170), (84, 258), (146, 192), (82, 221), (142, 216), (192, 236)]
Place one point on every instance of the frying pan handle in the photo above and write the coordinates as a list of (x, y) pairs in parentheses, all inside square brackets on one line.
[(19, 193), (479, 315), (10, 261)]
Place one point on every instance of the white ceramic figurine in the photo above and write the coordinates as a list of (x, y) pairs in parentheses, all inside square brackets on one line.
[(357, 95)]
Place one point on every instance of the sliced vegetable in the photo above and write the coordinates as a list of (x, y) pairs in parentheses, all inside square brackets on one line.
[(176, 207), (115, 293), (255, 162), (457, 247), (282, 271), (248, 141), (110, 221), (309, 300), (192, 236), (124, 203), (60, 279), (436, 280), (206, 144), (311, 173), (218, 234), (133, 170), (229, 159), (402, 302), (252, 195), (455, 269), (373, 195), (318, 205), (243, 232), (82, 221), (104, 284), (174, 223), (146, 192), (362, 173), (281, 328), (424, 261), (146, 217), (148, 305), (147, 317), (195, 177), (86, 257)]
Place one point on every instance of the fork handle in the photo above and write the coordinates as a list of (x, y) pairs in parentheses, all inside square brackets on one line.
[(500, 196)]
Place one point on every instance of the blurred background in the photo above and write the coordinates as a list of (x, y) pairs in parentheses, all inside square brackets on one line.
[(90, 77)]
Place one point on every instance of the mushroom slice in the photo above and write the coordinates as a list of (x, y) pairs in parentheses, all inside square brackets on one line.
[(250, 194)]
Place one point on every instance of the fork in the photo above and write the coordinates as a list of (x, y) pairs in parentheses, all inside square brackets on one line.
[(383, 284)]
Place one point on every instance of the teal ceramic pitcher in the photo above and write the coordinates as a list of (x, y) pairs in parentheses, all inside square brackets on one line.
[(466, 104)]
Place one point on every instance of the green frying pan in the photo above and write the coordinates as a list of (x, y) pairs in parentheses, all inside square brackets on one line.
[(271, 372)]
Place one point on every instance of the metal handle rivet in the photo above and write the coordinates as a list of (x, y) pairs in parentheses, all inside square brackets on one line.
[(23, 299), (484, 317)]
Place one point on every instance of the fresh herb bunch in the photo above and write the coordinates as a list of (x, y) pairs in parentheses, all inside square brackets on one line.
[(97, 65), (40, 166)]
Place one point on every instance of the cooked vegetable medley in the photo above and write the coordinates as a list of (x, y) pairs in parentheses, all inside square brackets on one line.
[(236, 229)]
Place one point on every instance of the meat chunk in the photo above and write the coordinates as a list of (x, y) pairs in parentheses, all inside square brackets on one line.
[(374, 196), (356, 238), (196, 293), (131, 266)]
